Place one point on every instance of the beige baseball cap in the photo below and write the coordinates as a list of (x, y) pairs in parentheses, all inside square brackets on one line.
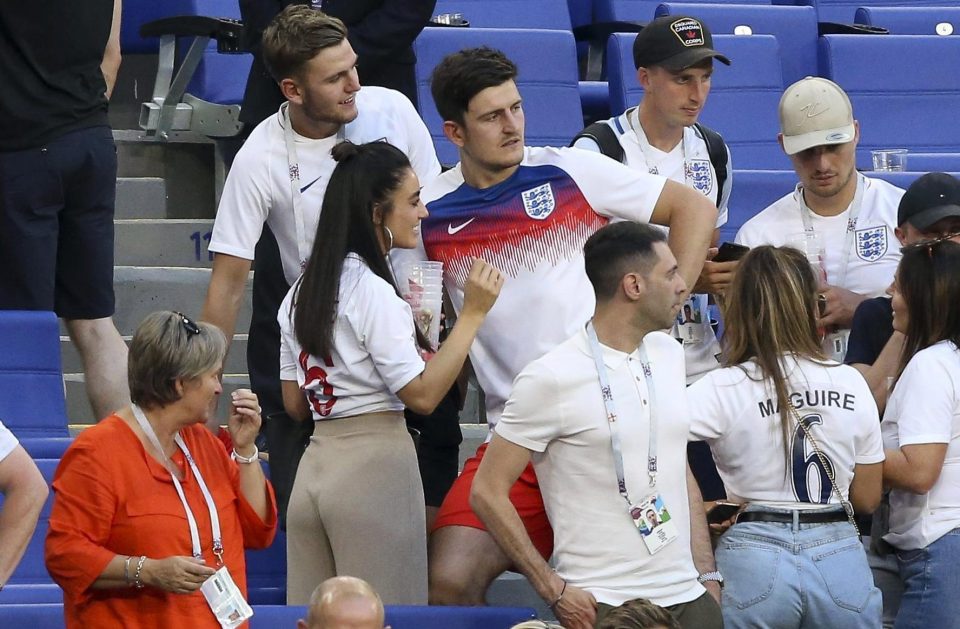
[(814, 112)]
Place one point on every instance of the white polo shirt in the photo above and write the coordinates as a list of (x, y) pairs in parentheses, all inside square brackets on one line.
[(374, 353), (7, 442), (257, 190), (556, 410), (925, 408), (531, 226), (736, 412), (874, 254)]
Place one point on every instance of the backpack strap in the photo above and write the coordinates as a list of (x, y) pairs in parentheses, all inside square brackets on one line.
[(717, 151), (606, 139)]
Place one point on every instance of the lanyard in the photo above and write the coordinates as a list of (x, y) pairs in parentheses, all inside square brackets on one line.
[(211, 507), (293, 167), (645, 147), (612, 414), (854, 214)]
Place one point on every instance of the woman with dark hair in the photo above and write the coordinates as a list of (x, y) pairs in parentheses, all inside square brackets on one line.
[(921, 434), (795, 437), (351, 360)]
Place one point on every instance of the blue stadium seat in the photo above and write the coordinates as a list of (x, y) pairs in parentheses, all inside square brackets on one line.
[(743, 100), (549, 14), (902, 88), (902, 179), (408, 617), (794, 27), (547, 64), (30, 582), (752, 191), (32, 402), (933, 162), (45, 616), (911, 20), (642, 10), (581, 11), (844, 11), (267, 573)]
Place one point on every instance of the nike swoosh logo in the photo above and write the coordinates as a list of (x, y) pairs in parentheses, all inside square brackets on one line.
[(452, 230), (304, 189)]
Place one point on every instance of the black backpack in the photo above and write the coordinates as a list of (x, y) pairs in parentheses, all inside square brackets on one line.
[(606, 139)]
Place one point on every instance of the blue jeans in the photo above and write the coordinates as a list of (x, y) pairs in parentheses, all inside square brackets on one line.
[(791, 575), (931, 580)]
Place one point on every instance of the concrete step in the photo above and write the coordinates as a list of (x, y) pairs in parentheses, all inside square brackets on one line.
[(511, 589), (78, 407), (163, 242), (141, 290), (236, 357), (141, 197)]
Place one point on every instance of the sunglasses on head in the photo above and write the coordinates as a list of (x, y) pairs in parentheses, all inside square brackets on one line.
[(188, 324)]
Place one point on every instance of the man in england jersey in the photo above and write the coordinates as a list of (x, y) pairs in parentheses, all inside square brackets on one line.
[(527, 211), (845, 220)]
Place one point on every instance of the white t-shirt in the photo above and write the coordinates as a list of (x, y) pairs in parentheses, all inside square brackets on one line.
[(873, 257), (7, 442), (374, 349), (532, 227), (689, 164), (556, 410), (257, 190), (736, 412), (925, 408)]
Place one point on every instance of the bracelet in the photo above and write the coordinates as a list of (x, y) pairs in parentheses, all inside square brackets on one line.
[(253, 458), (560, 596), (126, 570), (137, 583)]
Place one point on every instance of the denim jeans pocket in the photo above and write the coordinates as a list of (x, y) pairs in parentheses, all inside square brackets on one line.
[(847, 575), (750, 571)]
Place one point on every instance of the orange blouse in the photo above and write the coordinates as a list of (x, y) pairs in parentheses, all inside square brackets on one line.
[(111, 497)]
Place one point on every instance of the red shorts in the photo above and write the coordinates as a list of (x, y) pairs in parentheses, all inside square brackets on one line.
[(525, 496)]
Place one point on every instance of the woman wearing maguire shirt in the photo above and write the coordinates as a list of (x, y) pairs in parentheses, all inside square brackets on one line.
[(921, 434), (795, 436), (350, 358)]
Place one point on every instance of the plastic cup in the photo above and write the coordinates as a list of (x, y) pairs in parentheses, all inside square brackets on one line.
[(889, 160)]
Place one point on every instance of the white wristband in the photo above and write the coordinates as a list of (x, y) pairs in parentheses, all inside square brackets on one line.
[(253, 458)]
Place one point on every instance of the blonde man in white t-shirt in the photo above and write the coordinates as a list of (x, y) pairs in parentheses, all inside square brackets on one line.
[(24, 492), (843, 220), (608, 409)]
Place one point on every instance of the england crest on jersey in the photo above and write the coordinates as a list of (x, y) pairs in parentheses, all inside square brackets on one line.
[(697, 174), (538, 202), (872, 243)]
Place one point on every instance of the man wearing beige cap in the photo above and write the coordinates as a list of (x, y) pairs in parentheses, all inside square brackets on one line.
[(843, 220)]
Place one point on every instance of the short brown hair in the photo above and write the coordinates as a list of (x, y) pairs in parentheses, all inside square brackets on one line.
[(638, 614), (462, 75), (295, 36), (167, 347)]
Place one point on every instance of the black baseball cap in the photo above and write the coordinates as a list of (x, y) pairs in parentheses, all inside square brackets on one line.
[(930, 198), (674, 42)]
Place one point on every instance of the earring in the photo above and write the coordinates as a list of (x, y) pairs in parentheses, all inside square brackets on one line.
[(389, 237)]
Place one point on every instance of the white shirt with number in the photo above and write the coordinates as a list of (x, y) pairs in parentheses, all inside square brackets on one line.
[(925, 408), (257, 190), (374, 349), (532, 227), (736, 412), (556, 411), (7, 442)]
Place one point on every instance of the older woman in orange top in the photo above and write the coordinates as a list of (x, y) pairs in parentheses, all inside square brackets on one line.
[(148, 504)]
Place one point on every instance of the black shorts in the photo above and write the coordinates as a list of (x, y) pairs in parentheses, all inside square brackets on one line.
[(438, 448), (56, 225)]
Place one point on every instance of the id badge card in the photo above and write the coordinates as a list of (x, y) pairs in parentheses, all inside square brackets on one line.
[(835, 345), (225, 599), (690, 322), (654, 523)]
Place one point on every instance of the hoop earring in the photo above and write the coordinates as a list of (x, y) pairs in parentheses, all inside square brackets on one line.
[(389, 236)]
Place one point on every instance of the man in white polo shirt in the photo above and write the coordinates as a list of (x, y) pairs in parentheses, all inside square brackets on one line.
[(24, 491), (843, 219)]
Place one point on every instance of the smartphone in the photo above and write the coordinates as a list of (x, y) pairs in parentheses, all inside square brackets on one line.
[(722, 511), (730, 251)]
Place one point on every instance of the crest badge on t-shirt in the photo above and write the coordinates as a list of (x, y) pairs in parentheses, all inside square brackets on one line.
[(872, 243), (697, 173), (538, 202)]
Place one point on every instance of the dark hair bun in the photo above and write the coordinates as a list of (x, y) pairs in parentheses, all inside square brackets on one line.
[(344, 151)]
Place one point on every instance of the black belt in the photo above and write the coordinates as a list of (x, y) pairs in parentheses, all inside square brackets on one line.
[(804, 517)]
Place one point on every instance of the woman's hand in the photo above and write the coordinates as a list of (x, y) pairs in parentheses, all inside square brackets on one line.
[(481, 289), (180, 575), (244, 421)]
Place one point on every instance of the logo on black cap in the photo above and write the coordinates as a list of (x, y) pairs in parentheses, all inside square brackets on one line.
[(688, 31)]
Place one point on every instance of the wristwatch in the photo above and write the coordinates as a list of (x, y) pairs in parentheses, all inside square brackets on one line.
[(711, 576)]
